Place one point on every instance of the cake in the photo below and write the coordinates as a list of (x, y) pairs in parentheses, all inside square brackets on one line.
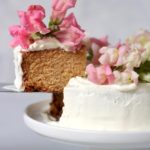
[(106, 107), (111, 94), (47, 57), (48, 70), (115, 95)]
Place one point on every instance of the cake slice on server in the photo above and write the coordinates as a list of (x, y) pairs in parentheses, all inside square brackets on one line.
[(47, 70), (47, 57)]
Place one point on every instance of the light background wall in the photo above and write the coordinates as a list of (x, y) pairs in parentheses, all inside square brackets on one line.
[(116, 18)]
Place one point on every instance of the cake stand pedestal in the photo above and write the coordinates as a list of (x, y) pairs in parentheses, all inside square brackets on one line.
[(95, 140)]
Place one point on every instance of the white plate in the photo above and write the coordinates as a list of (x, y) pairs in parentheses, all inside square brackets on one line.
[(35, 120)]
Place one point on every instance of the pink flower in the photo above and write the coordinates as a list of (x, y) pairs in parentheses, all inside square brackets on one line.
[(119, 44), (92, 74), (100, 75), (103, 41), (70, 32), (32, 19), (31, 22), (95, 45), (123, 51), (21, 36), (60, 7), (71, 37), (69, 21), (109, 56), (105, 59)]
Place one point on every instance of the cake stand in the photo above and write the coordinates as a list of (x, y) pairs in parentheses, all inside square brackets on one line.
[(96, 140)]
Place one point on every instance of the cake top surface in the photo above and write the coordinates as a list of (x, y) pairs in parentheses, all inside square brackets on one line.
[(64, 28), (124, 63), (82, 84)]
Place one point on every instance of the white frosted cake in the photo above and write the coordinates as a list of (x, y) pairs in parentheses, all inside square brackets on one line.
[(115, 95), (106, 107)]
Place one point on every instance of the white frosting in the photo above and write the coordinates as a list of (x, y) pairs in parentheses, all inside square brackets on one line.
[(18, 70), (82, 82), (98, 107), (49, 43)]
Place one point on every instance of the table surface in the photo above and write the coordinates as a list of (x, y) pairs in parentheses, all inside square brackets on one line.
[(14, 135)]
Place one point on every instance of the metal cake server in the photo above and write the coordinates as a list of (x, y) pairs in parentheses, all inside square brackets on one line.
[(4, 87), (9, 87)]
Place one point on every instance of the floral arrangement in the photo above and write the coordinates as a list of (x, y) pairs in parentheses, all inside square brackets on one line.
[(125, 63), (122, 64), (63, 28)]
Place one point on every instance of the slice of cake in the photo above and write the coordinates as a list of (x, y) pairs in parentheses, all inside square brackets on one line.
[(115, 95), (47, 57), (48, 70)]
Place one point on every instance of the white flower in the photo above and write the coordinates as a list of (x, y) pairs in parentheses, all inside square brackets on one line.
[(126, 77), (109, 56), (133, 59), (146, 53)]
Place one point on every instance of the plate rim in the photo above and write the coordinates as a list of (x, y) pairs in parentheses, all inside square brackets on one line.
[(83, 136)]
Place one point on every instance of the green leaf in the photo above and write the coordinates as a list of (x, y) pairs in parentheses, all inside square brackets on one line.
[(144, 71), (54, 25), (37, 36), (145, 77), (90, 55), (119, 68)]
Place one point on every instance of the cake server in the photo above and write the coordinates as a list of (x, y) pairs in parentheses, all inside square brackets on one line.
[(7, 87)]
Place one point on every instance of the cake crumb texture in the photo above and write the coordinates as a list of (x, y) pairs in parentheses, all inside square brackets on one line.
[(50, 70)]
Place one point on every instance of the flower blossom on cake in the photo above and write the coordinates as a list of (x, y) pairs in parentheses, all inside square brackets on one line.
[(32, 19), (60, 7), (141, 38), (125, 77), (21, 36), (70, 32), (128, 62), (109, 56), (100, 75), (31, 22), (130, 57), (133, 59), (64, 29), (69, 21), (142, 42), (94, 45), (123, 56)]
